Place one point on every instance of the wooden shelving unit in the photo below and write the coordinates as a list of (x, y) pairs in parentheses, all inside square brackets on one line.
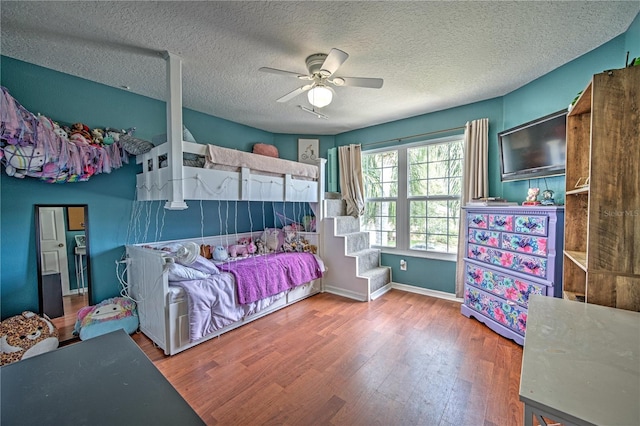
[(602, 219)]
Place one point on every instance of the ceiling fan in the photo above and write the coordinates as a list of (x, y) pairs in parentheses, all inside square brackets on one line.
[(322, 68)]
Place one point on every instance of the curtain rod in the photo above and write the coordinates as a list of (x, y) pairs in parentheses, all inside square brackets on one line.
[(414, 136)]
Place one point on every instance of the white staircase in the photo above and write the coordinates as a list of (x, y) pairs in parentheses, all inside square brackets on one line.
[(353, 268)]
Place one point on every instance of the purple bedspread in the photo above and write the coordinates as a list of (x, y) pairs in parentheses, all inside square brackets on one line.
[(263, 276)]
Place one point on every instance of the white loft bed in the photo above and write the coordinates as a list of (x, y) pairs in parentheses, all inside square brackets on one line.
[(162, 318), (176, 182)]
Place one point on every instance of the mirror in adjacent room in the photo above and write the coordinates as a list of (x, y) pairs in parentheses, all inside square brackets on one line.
[(64, 263)]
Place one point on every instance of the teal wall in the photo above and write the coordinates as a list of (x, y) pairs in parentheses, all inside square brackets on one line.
[(111, 197), (545, 95)]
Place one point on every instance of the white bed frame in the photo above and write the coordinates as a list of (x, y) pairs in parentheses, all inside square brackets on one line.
[(167, 323)]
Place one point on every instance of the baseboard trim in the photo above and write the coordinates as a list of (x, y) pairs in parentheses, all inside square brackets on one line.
[(345, 293), (426, 292), (382, 290)]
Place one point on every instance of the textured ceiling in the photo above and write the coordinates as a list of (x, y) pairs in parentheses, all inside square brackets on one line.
[(431, 55)]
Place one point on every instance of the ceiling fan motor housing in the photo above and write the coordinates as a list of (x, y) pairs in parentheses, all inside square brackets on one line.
[(314, 62)]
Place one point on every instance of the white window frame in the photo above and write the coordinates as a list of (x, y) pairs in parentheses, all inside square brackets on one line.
[(402, 202)]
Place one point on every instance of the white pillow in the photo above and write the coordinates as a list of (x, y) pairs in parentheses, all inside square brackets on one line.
[(177, 272)]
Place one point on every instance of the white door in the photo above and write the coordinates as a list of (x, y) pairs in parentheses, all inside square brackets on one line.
[(53, 245)]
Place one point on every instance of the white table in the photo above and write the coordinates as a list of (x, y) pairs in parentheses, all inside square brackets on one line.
[(80, 252), (581, 364)]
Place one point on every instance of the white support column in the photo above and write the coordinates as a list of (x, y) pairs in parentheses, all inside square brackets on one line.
[(174, 131), (322, 163)]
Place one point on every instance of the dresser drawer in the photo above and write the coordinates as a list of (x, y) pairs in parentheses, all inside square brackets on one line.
[(523, 243), (501, 222), (531, 265), (506, 313), (477, 220), (486, 238), (501, 284), (534, 225)]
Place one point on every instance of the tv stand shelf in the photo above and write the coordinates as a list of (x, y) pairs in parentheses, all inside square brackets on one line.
[(601, 245)]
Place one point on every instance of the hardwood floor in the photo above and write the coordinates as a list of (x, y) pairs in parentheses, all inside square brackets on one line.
[(65, 324), (403, 359)]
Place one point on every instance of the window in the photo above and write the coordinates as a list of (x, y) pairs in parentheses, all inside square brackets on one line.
[(413, 195)]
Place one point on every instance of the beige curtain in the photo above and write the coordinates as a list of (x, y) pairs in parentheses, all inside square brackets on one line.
[(475, 182), (351, 185)]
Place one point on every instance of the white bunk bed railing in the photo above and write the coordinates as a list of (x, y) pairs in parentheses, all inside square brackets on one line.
[(155, 181)]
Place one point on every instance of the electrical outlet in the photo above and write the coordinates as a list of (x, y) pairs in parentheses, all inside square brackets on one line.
[(403, 265)]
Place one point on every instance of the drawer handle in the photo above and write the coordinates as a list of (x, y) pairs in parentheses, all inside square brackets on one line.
[(475, 252), (477, 220), (500, 222), (531, 265), (483, 237), (524, 243), (531, 225)]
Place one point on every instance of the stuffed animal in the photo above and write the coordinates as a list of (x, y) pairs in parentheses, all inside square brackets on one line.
[(98, 136), (246, 241), (109, 315), (205, 251), (112, 136), (20, 160), (273, 239), (532, 194), (260, 247), (81, 130), (220, 253), (61, 132), (238, 250), (26, 335)]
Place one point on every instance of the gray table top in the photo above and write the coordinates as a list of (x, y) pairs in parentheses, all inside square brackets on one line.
[(582, 361), (106, 380)]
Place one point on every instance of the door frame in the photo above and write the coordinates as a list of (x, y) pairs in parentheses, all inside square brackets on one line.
[(38, 249)]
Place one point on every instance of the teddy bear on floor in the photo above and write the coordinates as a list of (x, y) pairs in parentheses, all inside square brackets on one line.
[(26, 335)]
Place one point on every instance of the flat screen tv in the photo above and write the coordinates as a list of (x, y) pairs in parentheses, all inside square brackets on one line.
[(534, 149)]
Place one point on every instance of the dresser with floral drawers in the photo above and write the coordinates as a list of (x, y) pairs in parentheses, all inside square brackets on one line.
[(511, 253)]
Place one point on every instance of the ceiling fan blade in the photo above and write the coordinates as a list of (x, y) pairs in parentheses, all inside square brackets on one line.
[(283, 72), (372, 83), (334, 59), (295, 93)]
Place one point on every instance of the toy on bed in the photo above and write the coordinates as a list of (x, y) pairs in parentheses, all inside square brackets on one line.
[(244, 248), (107, 316), (26, 335)]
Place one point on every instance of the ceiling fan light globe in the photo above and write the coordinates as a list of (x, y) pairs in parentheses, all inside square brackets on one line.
[(320, 96)]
